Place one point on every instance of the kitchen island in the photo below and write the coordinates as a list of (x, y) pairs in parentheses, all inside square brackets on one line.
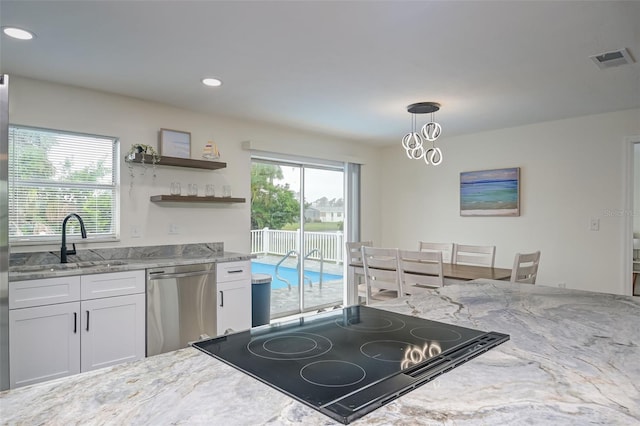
[(573, 358)]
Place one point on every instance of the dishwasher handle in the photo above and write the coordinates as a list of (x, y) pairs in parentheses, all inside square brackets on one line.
[(160, 275)]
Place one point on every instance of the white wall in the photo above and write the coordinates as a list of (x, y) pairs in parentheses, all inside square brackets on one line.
[(571, 170), (48, 105)]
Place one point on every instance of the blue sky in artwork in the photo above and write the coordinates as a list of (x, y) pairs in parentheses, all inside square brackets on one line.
[(489, 175)]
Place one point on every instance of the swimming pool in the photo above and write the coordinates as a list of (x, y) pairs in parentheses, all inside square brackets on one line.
[(289, 274)]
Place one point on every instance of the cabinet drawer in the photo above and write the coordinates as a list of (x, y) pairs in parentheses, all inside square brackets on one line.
[(233, 271), (112, 284), (47, 291)]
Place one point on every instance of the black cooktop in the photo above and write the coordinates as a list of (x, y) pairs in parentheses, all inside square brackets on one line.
[(346, 363)]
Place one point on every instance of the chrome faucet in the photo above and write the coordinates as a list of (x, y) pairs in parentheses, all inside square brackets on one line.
[(63, 250)]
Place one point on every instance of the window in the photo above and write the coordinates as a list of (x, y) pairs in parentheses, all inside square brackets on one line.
[(54, 173)]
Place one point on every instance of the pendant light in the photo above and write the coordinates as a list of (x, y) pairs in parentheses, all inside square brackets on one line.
[(417, 144)]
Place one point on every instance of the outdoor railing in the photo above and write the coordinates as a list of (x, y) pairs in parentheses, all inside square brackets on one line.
[(279, 242)]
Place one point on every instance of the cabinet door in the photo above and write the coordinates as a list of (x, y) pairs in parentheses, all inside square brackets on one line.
[(113, 331), (234, 306), (44, 343)]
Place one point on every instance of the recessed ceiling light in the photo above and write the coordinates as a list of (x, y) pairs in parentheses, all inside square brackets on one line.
[(18, 33), (211, 82)]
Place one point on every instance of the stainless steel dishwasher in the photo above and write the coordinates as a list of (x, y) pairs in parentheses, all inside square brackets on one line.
[(181, 306)]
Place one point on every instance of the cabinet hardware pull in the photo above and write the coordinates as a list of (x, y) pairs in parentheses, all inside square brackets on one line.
[(237, 271), (87, 320), (221, 298), (180, 275), (75, 322)]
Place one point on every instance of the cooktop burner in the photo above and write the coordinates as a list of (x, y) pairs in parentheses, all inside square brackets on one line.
[(346, 363), (291, 346)]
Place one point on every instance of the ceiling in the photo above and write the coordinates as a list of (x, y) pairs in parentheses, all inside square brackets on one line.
[(342, 68)]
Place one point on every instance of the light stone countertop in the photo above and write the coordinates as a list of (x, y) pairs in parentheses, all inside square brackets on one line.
[(31, 266), (573, 359)]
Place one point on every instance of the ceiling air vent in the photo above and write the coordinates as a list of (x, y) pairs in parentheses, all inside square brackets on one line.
[(613, 59)]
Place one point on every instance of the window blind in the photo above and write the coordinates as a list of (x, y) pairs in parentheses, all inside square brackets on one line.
[(54, 173)]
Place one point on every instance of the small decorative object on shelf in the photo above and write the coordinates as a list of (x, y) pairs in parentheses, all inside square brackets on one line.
[(175, 188), (141, 151), (210, 151), (175, 143), (139, 148)]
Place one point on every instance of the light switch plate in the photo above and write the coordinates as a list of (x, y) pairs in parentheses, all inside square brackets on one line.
[(173, 228), (136, 232)]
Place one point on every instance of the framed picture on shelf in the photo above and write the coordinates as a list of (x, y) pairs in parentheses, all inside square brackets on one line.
[(174, 143), (490, 192)]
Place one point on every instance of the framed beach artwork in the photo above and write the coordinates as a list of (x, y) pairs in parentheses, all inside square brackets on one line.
[(174, 143), (490, 192)]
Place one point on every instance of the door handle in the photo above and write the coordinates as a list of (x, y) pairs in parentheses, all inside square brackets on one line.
[(221, 298), (87, 320), (75, 322)]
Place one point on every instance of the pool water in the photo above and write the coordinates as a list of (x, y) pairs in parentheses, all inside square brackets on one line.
[(289, 274)]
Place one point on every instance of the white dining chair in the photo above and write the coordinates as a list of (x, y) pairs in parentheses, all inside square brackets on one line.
[(445, 248), (355, 268), (420, 270), (381, 273), (525, 267), (464, 254)]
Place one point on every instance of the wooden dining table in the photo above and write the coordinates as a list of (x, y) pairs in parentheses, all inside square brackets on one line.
[(474, 272), (452, 273), (460, 272)]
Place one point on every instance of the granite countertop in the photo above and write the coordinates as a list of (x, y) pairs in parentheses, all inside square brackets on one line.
[(572, 360), (31, 266)]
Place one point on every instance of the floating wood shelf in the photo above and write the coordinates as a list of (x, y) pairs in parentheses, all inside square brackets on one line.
[(194, 199), (179, 162)]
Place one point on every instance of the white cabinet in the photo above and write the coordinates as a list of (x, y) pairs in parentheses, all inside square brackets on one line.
[(113, 319), (44, 343), (234, 306), (61, 326), (233, 281), (97, 286), (112, 331), (47, 291)]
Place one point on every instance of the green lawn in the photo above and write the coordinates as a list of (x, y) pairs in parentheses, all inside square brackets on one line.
[(316, 227)]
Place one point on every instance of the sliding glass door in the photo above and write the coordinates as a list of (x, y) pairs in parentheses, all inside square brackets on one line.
[(297, 218), (323, 237)]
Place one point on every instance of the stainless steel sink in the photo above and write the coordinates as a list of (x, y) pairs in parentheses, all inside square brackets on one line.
[(66, 266)]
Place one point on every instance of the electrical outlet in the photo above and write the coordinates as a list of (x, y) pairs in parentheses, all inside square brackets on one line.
[(136, 232), (173, 228), (594, 224), (562, 285)]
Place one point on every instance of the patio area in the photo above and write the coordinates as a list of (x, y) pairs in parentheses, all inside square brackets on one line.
[(285, 300)]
